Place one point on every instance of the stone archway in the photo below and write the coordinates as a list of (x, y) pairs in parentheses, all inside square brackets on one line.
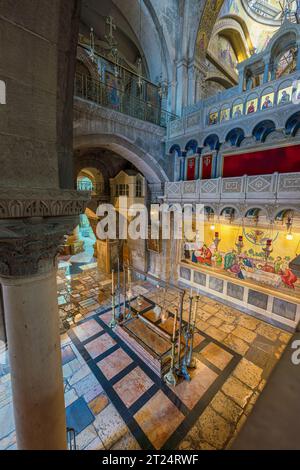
[(142, 160)]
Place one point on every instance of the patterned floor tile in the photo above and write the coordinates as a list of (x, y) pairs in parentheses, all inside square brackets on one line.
[(87, 329), (100, 345), (133, 386), (114, 363), (159, 418), (201, 379)]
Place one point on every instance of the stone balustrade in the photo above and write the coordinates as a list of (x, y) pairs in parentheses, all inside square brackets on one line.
[(280, 188)]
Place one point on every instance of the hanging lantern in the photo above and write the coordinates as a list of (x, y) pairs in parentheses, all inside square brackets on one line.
[(140, 73), (92, 45)]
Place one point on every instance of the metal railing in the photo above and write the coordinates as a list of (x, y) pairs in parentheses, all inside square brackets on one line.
[(118, 100), (71, 439)]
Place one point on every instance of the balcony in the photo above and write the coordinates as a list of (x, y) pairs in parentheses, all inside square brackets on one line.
[(113, 98), (274, 188)]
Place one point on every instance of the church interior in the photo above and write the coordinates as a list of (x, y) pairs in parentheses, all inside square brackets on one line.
[(159, 343)]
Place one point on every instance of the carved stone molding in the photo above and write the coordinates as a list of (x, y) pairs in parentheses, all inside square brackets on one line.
[(18, 203), (30, 246), (86, 109)]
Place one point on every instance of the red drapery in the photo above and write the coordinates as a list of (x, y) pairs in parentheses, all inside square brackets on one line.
[(191, 168), (206, 167), (281, 160)]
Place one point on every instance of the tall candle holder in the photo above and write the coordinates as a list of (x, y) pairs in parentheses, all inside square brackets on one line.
[(113, 323), (129, 296), (239, 244), (171, 378), (191, 363), (187, 336)]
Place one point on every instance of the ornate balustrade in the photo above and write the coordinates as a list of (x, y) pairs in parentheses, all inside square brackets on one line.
[(275, 188)]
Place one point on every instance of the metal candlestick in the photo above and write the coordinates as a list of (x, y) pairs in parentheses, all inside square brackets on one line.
[(112, 324), (191, 363), (179, 333), (170, 378), (124, 291), (187, 335), (129, 315), (119, 289)]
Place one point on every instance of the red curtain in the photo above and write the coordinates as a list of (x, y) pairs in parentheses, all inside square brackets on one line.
[(191, 168), (206, 167), (281, 160)]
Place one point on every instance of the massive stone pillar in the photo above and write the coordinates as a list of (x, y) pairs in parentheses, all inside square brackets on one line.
[(38, 205), (28, 249)]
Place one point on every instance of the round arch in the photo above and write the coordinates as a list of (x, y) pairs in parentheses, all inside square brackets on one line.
[(212, 141), (235, 136), (292, 125), (143, 161)]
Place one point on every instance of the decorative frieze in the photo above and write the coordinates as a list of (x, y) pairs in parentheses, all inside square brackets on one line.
[(18, 203)]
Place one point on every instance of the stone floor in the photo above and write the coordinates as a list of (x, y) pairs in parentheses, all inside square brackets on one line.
[(114, 400)]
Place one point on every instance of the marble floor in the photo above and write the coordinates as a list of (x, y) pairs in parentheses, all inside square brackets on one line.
[(115, 401)]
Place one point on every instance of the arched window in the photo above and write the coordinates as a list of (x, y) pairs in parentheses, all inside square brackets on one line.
[(2, 92)]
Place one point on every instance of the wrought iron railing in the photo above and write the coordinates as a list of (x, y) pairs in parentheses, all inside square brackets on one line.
[(114, 98)]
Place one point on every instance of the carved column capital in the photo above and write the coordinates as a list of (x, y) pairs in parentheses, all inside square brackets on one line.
[(30, 246), (32, 226)]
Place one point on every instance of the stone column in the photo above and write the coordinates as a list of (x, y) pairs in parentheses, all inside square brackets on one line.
[(191, 84), (28, 249), (182, 86), (266, 69), (31, 314)]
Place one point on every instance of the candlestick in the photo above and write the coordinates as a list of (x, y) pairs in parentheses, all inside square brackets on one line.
[(174, 326), (112, 324)]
